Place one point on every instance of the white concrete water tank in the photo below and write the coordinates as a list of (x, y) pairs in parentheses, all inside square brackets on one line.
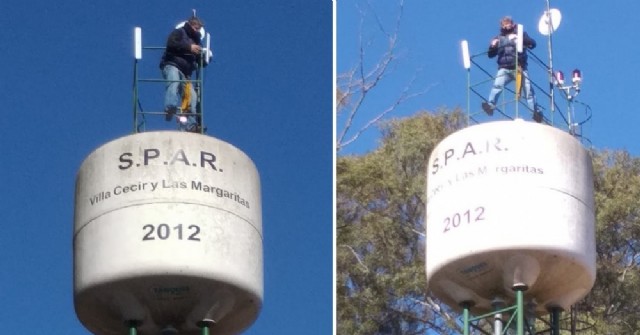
[(168, 232), (510, 203)]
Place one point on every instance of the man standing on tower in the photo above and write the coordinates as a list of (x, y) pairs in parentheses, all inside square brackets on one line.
[(181, 57), (505, 47)]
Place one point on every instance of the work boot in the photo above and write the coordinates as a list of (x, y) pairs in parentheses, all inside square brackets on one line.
[(537, 116), (488, 108)]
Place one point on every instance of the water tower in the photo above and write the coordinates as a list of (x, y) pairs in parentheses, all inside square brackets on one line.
[(510, 218), (510, 215), (167, 235)]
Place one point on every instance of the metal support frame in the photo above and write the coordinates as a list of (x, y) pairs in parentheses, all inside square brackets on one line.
[(471, 87), (557, 118), (510, 317), (570, 93), (198, 82)]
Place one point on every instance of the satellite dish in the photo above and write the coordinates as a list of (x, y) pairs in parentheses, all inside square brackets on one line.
[(549, 21), (181, 24)]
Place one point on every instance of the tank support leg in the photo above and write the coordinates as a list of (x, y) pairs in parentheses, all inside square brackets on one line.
[(133, 326), (520, 308), (498, 324), (205, 326), (466, 317), (555, 321)]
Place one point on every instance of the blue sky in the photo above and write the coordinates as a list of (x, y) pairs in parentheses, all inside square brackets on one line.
[(66, 84), (595, 37)]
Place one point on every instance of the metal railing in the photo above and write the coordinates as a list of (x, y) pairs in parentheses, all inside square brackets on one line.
[(139, 114), (571, 120)]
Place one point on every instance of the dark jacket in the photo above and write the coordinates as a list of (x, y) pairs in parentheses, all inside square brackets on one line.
[(506, 50), (178, 51)]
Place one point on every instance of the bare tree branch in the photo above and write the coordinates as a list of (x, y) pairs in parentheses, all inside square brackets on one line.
[(355, 85)]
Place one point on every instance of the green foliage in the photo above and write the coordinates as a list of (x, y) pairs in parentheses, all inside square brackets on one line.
[(614, 302), (380, 222), (381, 284)]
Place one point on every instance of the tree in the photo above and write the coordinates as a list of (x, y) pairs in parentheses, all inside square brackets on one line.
[(614, 302), (380, 231), (381, 285)]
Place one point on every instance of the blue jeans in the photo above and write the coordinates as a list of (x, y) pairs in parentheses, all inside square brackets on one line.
[(173, 95), (506, 76)]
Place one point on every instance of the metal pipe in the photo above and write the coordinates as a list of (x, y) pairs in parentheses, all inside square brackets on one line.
[(135, 96), (550, 48), (200, 102), (498, 323), (133, 326), (205, 326), (465, 317), (468, 97), (555, 321), (520, 288)]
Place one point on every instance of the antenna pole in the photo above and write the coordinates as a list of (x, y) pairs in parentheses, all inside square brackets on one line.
[(550, 48), (137, 46), (466, 61), (518, 71), (135, 96)]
